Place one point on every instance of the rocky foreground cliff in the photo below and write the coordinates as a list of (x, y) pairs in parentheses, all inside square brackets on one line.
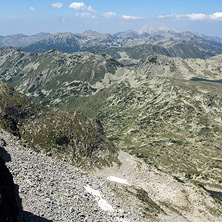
[(51, 190)]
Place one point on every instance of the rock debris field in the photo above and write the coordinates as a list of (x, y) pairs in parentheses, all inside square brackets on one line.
[(53, 191)]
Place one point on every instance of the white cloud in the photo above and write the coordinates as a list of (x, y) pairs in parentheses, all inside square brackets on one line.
[(78, 6), (128, 17), (166, 16), (83, 15), (194, 16), (57, 5), (90, 9), (32, 8), (109, 14), (216, 16)]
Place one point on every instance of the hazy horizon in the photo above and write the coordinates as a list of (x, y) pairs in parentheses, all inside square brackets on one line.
[(32, 17)]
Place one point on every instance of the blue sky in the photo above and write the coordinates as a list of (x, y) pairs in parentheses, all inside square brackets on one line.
[(33, 16)]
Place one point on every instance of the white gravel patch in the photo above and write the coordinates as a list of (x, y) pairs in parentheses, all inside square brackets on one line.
[(104, 205), (92, 191), (118, 180)]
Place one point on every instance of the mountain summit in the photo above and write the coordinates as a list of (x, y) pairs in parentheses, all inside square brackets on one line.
[(148, 29)]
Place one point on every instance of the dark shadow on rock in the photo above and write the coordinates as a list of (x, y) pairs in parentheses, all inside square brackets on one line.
[(5, 155), (215, 194), (8, 205), (11, 209), (25, 216), (29, 217)]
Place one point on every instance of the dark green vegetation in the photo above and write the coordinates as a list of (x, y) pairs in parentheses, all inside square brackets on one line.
[(148, 207), (67, 136)]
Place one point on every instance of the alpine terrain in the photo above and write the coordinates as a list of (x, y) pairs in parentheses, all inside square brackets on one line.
[(122, 127)]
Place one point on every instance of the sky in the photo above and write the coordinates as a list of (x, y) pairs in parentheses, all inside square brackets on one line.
[(33, 16)]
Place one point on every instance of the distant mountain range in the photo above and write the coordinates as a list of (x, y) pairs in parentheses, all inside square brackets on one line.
[(169, 41), (22, 40)]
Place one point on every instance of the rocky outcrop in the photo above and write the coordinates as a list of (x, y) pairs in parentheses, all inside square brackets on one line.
[(9, 210), (66, 136), (51, 190)]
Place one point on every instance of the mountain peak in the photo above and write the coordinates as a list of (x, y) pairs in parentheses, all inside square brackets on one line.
[(146, 29), (91, 33), (166, 29)]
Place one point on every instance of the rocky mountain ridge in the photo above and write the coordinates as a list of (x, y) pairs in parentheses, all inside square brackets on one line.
[(21, 40), (177, 44)]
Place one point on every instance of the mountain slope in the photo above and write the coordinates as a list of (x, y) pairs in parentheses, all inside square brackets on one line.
[(67, 136), (146, 109), (54, 191), (131, 191), (169, 120), (46, 77), (179, 49)]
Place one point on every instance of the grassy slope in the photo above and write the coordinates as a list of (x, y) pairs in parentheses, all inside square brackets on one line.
[(68, 136)]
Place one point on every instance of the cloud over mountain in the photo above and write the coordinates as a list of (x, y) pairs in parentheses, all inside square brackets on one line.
[(216, 16), (78, 6), (194, 16), (90, 9)]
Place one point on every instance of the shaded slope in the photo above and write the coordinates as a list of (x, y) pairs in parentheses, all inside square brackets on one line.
[(179, 49), (67, 136)]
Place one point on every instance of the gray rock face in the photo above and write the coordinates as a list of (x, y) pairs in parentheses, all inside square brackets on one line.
[(52, 190)]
